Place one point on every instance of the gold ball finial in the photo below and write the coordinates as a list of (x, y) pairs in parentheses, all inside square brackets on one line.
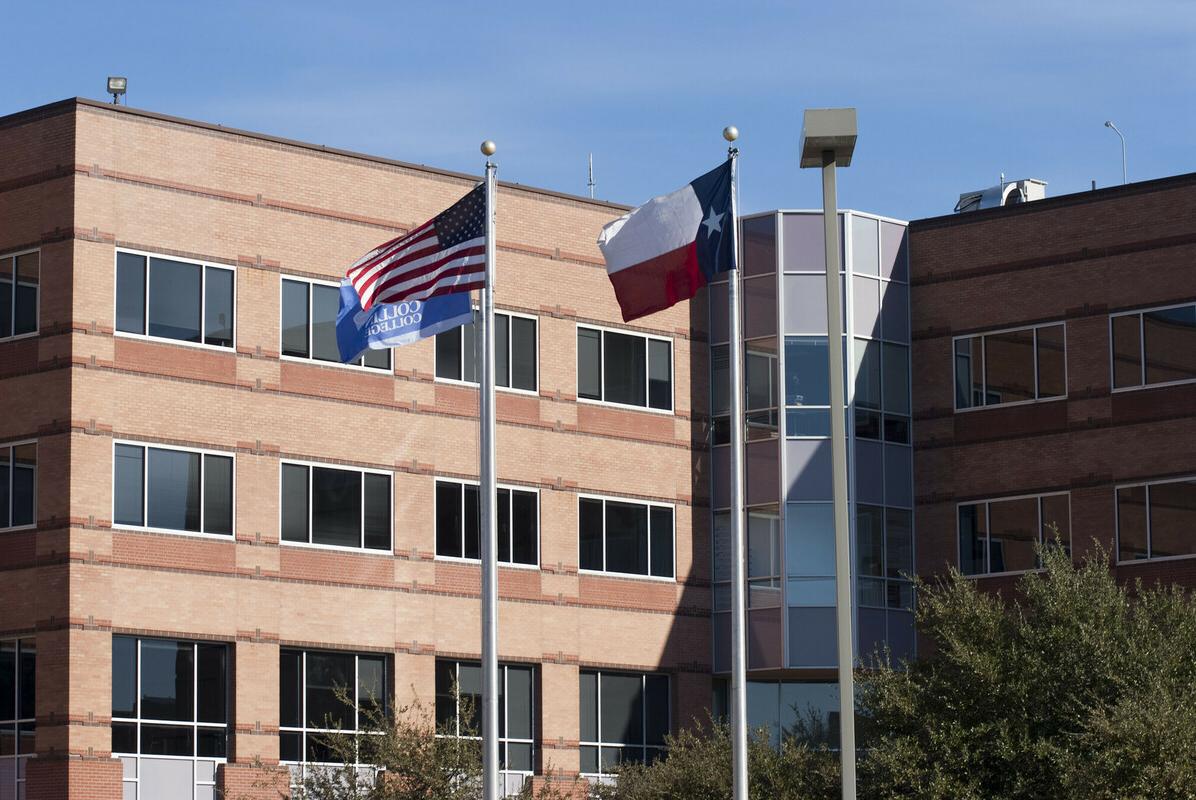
[(730, 133), (489, 148)]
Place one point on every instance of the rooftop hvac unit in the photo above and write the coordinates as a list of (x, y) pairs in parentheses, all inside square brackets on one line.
[(1003, 194)]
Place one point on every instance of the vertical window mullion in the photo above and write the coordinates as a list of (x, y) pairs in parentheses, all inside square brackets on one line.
[(1149, 532), (464, 526), (144, 492), (194, 702), (604, 536), (203, 304), (310, 326), (1034, 356), (987, 539), (311, 534), (203, 467), (1142, 355), (144, 327), (361, 514), (602, 392)]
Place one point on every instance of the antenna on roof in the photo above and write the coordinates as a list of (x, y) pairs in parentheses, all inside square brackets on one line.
[(591, 183)]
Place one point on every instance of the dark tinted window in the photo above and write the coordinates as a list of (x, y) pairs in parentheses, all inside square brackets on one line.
[(211, 683), (167, 672), (1009, 366), (523, 353), (218, 494), (294, 503), (590, 533), (124, 676), (1052, 370), (626, 538), (624, 368), (173, 490), (448, 354), (130, 293), (524, 528), (973, 538), (218, 307), (660, 374), (1169, 338), (807, 371), (473, 523), (1172, 519), (335, 507), (1127, 350), (661, 556), (294, 318), (1131, 523), (377, 511), (589, 364), (129, 485), (174, 299), (326, 673), (449, 531), (325, 302)]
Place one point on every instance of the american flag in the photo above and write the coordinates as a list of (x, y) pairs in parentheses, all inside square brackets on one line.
[(447, 254)]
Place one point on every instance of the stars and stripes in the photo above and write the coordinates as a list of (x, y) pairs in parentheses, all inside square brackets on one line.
[(447, 254)]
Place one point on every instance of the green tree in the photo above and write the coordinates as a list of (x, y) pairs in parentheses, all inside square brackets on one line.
[(1072, 688)]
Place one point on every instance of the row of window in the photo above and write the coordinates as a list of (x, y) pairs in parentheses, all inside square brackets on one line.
[(192, 302), (172, 489), (1151, 347), (171, 698)]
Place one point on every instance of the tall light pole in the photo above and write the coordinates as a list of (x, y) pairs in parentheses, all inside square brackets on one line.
[(1124, 175), (828, 139)]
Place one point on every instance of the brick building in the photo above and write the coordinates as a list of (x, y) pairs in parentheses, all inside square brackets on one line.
[(1054, 382), (208, 524)]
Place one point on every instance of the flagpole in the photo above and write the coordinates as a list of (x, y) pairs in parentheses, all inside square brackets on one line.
[(738, 694), (488, 498)]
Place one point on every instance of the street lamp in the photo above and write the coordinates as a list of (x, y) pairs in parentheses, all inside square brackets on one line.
[(828, 140), (1109, 124)]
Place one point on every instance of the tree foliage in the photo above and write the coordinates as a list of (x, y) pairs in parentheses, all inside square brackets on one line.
[(1075, 687)]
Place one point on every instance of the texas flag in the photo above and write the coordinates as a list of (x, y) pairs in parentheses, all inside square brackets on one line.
[(668, 248)]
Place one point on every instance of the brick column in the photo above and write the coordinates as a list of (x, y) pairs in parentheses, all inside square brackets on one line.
[(559, 721)]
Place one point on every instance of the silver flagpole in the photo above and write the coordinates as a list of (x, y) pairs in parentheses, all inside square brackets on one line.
[(488, 498), (739, 734)]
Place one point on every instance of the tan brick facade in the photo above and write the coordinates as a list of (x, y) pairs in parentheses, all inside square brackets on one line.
[(81, 180)]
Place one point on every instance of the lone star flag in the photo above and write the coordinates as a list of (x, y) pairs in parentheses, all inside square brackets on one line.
[(665, 250), (447, 254)]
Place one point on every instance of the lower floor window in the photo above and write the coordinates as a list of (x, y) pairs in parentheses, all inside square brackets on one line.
[(624, 719), (459, 709), (802, 711), (1156, 520), (18, 728), (169, 715), (1001, 535), (323, 693)]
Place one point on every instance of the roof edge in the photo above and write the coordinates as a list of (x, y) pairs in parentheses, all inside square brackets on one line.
[(64, 106), (1058, 201)]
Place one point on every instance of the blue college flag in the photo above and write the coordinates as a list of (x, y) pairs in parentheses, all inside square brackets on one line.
[(394, 324)]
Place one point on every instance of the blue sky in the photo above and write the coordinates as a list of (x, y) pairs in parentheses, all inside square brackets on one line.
[(950, 94)]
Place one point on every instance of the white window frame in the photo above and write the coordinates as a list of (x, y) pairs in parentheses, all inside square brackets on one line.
[(299, 768), (11, 469), (988, 533), (1149, 533), (984, 373), (195, 724), (19, 760), (503, 666), (37, 311), (643, 676), (388, 552), (649, 504), (464, 559), (604, 329), (1142, 384), (310, 359), (203, 301), (220, 537), (535, 391)]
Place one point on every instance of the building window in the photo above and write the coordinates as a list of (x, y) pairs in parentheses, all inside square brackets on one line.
[(458, 520), (18, 716), (763, 557), (309, 310), (172, 489), (760, 391), (1152, 347), (624, 537), (514, 353), (624, 719), (1000, 535), (20, 276), (804, 712), (1156, 520), (18, 485), (169, 715), (881, 391), (624, 369), (807, 387), (171, 299), (459, 713), (885, 552), (336, 507), (1016, 366), (311, 685)]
